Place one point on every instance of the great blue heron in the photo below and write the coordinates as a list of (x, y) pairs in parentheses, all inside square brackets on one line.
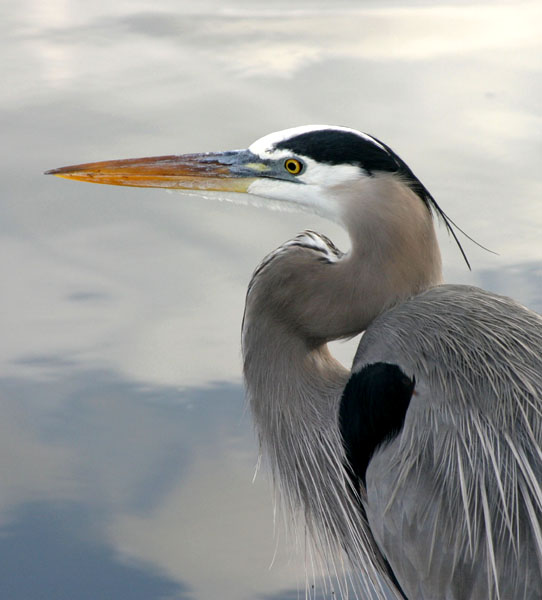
[(423, 465)]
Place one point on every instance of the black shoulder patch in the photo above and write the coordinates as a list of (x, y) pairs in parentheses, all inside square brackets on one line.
[(372, 412)]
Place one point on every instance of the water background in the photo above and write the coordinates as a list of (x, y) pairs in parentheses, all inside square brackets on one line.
[(126, 452)]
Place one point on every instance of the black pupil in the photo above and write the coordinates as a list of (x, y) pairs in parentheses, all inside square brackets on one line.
[(292, 166)]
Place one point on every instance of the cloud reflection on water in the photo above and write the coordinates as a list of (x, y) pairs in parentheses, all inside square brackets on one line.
[(54, 551), (121, 307), (149, 477)]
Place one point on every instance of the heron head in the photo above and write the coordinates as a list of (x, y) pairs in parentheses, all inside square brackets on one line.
[(317, 168), (327, 169)]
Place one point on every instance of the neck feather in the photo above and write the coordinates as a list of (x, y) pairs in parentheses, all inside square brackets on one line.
[(296, 303), (294, 401), (394, 246)]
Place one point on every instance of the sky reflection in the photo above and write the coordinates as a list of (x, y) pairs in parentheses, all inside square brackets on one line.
[(54, 551), (117, 463), (125, 445)]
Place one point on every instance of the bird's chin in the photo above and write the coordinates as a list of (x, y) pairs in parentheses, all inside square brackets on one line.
[(278, 194)]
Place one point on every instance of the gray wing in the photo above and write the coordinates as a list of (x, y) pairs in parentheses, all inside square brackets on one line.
[(455, 501)]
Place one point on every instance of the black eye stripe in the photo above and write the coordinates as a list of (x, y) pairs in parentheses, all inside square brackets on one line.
[(335, 147)]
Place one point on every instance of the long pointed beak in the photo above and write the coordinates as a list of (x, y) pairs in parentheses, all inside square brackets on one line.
[(231, 171)]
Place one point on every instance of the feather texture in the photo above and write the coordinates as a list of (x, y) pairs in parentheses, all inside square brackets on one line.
[(465, 472)]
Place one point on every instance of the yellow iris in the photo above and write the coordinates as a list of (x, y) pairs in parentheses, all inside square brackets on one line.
[(293, 166)]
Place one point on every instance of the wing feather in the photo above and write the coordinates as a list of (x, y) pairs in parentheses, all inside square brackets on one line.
[(455, 501)]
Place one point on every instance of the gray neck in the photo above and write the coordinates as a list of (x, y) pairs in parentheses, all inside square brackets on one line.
[(395, 253), (295, 305), (294, 402)]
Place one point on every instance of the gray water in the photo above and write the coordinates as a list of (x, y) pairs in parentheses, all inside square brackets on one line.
[(126, 452)]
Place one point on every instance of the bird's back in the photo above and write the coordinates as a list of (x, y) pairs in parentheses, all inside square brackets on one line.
[(454, 500)]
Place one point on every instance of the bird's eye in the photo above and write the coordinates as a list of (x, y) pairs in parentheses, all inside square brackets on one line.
[(293, 166)]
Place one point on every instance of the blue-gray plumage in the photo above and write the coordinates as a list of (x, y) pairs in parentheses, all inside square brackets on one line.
[(455, 499), (421, 468)]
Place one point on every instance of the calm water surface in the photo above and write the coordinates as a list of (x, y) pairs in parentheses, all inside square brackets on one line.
[(126, 451)]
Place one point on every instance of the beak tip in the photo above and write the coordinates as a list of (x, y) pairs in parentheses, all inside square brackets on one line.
[(59, 171)]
